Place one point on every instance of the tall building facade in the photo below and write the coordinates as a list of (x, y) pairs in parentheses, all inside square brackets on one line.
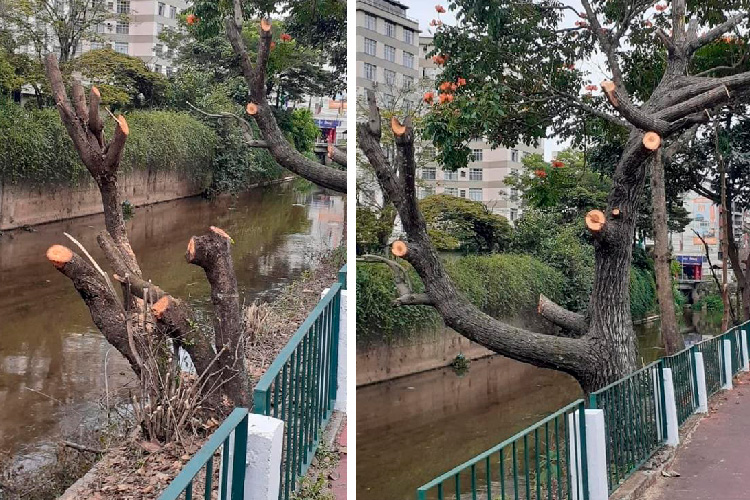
[(387, 46), (133, 30)]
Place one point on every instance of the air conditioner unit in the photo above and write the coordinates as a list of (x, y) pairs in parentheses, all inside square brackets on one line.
[(374, 85)]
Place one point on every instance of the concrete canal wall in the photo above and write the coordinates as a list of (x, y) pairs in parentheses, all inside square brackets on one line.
[(25, 205)]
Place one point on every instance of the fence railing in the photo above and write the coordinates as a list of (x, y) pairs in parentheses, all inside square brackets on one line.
[(636, 424), (300, 386), (634, 420), (198, 478), (543, 461)]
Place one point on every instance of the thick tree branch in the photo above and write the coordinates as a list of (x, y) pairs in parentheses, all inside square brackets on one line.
[(560, 353), (715, 32), (212, 252), (560, 316), (247, 129), (278, 146)]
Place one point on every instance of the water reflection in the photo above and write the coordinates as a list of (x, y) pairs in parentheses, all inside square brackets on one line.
[(51, 355)]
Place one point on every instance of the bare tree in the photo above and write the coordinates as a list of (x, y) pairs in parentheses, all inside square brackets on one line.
[(148, 315), (606, 348)]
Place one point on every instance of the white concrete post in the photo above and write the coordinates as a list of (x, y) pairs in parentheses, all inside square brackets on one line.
[(596, 454), (340, 403), (265, 436), (700, 375), (673, 429), (727, 365), (745, 360)]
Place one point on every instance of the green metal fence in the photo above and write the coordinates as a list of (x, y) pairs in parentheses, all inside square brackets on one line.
[(713, 361), (634, 416), (300, 386), (533, 465), (541, 462), (199, 478), (685, 383)]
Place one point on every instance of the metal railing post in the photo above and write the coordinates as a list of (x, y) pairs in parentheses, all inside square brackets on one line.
[(336, 304)]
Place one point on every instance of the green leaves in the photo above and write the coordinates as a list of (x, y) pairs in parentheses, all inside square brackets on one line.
[(460, 224)]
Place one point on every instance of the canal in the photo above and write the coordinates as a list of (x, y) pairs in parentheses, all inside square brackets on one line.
[(414, 428), (52, 358)]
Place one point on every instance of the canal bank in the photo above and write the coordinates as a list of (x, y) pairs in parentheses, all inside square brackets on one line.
[(52, 364)]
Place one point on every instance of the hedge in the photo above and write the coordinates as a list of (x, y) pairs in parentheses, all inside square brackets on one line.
[(502, 285), (35, 148)]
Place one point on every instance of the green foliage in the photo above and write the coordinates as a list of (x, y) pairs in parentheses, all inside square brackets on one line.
[(123, 81), (9, 81), (299, 128), (461, 224), (564, 247), (373, 229), (41, 152), (505, 285), (713, 304), (377, 318), (565, 185)]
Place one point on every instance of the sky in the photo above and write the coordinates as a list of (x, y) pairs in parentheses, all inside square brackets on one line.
[(424, 11)]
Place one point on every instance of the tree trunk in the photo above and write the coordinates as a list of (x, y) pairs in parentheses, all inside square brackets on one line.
[(670, 334)]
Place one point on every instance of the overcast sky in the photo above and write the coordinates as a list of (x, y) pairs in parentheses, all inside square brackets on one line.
[(424, 11)]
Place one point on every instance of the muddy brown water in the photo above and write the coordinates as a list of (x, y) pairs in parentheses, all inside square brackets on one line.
[(51, 355), (412, 429)]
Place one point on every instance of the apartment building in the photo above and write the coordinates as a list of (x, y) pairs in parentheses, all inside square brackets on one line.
[(387, 47), (483, 179), (138, 36)]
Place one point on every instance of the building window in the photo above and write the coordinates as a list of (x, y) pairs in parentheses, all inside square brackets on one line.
[(462, 193), (101, 28), (476, 155), (429, 173), (97, 45), (371, 71), (408, 36), (159, 28), (451, 191), (475, 194), (513, 214), (157, 68), (161, 9), (173, 12), (475, 174), (451, 176), (426, 191), (408, 59), (408, 82), (390, 76), (123, 6), (121, 47), (158, 49), (513, 155), (389, 101), (371, 47), (389, 53), (371, 22), (170, 71), (123, 28), (390, 29), (514, 192)]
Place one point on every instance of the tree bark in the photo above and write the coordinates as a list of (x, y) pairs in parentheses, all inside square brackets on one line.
[(670, 335), (283, 152)]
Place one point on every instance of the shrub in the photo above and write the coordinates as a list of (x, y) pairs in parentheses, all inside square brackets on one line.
[(41, 153), (502, 285), (713, 303)]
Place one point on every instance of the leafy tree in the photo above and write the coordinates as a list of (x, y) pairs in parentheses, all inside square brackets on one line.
[(460, 224), (124, 81), (518, 74), (70, 22)]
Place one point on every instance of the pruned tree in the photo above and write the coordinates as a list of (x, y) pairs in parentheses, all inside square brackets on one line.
[(148, 319), (259, 108), (606, 348)]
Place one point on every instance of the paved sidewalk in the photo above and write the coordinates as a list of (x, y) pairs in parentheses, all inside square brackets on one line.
[(713, 463), (339, 482)]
